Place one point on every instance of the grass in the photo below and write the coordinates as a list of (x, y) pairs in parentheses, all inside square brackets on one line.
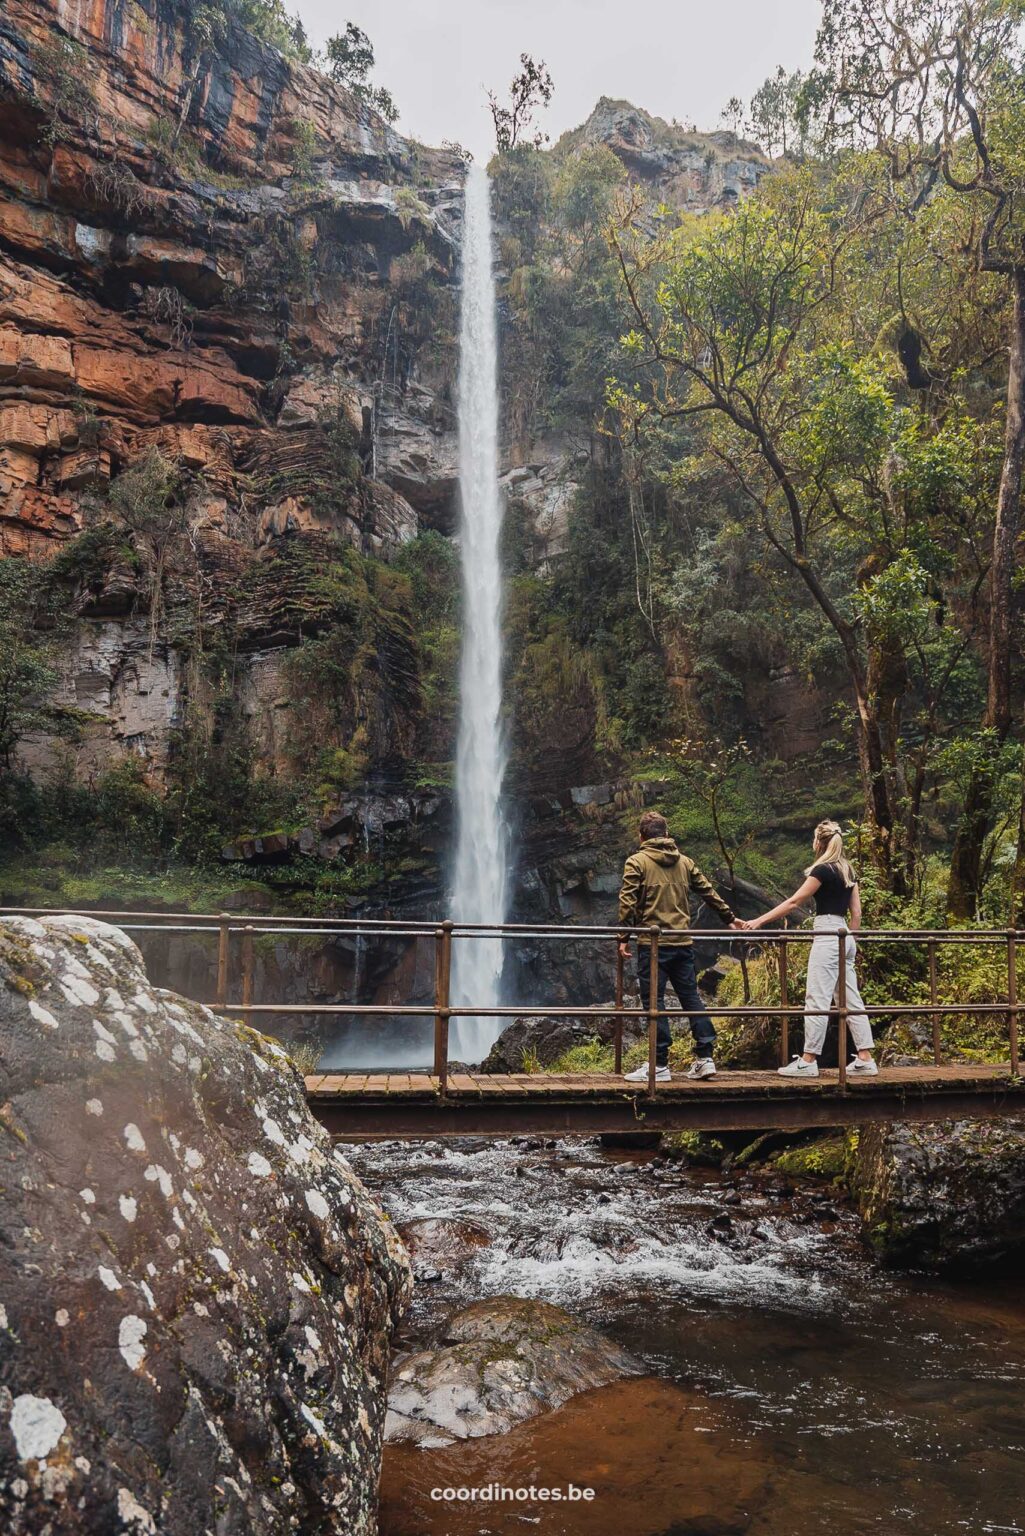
[(26, 881)]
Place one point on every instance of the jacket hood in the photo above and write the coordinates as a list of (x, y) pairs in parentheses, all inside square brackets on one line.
[(662, 849)]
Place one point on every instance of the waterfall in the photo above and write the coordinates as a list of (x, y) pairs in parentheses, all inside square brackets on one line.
[(480, 876)]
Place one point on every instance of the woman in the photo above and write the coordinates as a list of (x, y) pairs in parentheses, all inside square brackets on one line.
[(831, 880)]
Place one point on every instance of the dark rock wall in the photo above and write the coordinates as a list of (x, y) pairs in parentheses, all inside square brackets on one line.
[(941, 1196)]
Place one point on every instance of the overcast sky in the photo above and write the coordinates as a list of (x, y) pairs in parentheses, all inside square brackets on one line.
[(676, 58)]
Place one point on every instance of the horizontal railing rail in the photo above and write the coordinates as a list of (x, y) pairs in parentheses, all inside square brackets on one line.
[(443, 935)]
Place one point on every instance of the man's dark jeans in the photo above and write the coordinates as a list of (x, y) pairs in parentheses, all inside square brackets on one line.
[(675, 965)]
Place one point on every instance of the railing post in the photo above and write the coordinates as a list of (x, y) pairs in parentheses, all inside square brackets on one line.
[(442, 1014), (841, 1008), (784, 1001), (439, 937), (934, 998), (247, 971), (619, 1013), (652, 1009), (223, 934), (1012, 997)]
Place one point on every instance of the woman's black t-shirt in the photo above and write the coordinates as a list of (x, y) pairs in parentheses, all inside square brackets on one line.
[(833, 897)]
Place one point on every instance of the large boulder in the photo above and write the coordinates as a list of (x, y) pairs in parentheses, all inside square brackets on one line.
[(501, 1362), (197, 1295), (940, 1195)]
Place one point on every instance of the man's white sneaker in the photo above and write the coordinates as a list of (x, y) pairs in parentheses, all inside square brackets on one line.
[(863, 1068), (640, 1075), (703, 1067), (799, 1068)]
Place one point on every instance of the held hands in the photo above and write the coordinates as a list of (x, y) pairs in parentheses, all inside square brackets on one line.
[(624, 950), (740, 922)]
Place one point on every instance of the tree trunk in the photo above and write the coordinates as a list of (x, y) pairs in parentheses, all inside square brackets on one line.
[(872, 762), (886, 685), (1016, 915), (964, 885)]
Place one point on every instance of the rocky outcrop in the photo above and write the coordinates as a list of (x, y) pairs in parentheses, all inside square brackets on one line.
[(502, 1361), (212, 253), (686, 169), (196, 1293), (939, 1196)]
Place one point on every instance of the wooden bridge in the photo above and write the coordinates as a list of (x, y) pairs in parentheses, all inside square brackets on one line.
[(440, 1102), (400, 1105)]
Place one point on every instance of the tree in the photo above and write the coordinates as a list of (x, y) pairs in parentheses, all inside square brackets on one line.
[(350, 58), (777, 118), (530, 90), (933, 87), (29, 635), (149, 498), (742, 330)]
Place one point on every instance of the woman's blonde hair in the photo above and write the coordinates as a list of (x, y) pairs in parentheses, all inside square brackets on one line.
[(828, 845)]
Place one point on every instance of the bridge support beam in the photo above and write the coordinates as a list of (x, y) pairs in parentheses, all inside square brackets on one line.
[(357, 1118)]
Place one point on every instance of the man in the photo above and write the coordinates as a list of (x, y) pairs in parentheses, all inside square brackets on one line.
[(657, 882)]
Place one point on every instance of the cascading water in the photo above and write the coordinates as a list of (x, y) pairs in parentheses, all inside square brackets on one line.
[(480, 877)]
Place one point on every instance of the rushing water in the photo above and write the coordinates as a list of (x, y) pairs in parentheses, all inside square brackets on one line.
[(479, 883), (795, 1390)]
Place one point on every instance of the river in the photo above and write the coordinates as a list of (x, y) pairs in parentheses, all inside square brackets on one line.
[(795, 1389)]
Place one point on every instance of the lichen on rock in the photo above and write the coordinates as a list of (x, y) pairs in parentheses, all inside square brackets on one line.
[(500, 1362), (197, 1295)]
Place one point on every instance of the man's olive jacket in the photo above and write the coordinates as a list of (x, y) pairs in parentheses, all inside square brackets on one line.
[(657, 882)]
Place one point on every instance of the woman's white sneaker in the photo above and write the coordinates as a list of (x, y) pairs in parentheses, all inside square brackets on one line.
[(704, 1066), (640, 1075), (799, 1068), (863, 1068)]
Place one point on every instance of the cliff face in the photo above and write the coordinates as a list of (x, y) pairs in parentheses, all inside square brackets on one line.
[(226, 260), (680, 167), (228, 355)]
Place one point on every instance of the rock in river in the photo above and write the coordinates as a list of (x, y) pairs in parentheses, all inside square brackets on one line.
[(502, 1361), (197, 1295), (935, 1196)]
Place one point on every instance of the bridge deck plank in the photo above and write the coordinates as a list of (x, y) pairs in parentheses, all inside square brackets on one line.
[(356, 1106), (605, 1085)]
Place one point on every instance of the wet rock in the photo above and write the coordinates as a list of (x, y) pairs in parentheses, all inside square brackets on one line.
[(198, 1295), (441, 1244), (936, 1196), (503, 1361)]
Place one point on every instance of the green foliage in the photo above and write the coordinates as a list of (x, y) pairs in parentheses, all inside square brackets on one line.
[(214, 792), (780, 116), (591, 1056), (145, 496), (31, 630), (209, 24), (822, 1159), (350, 58), (63, 63), (304, 148), (130, 817), (411, 208), (529, 92)]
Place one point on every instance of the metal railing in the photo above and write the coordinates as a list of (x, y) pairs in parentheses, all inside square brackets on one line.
[(248, 927)]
